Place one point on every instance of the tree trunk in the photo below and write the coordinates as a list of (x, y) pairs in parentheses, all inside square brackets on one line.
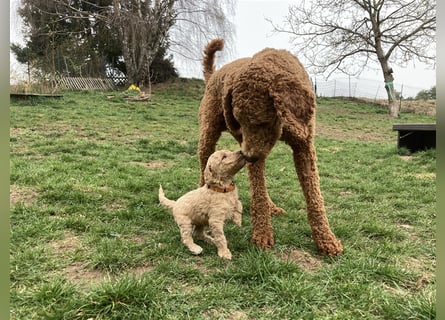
[(392, 103), (393, 107)]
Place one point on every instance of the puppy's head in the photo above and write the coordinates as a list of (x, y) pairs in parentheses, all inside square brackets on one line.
[(221, 167)]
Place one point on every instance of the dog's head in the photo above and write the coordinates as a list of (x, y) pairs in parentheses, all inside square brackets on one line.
[(222, 166)]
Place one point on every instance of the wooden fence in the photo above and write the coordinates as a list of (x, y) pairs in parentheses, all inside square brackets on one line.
[(79, 83)]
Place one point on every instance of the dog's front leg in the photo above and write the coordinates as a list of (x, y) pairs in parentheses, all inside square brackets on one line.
[(219, 239), (210, 128), (259, 205), (186, 236)]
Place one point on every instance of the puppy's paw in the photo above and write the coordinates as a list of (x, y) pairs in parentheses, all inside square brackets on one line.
[(238, 220), (225, 254), (195, 249)]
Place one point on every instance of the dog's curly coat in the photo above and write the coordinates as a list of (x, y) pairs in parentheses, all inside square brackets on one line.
[(260, 100), (209, 206)]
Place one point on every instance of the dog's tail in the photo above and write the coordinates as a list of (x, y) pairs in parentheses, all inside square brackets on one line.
[(169, 204), (208, 61)]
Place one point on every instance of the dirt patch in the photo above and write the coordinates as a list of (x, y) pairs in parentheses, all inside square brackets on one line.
[(79, 274), (23, 195), (426, 176), (84, 277), (138, 239), (151, 165), (237, 315), (409, 231), (406, 158), (304, 259), (216, 314), (138, 271), (425, 277), (113, 206), (417, 265), (65, 246), (406, 226), (355, 134), (396, 291)]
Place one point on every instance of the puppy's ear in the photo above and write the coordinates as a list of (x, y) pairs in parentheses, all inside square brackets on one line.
[(210, 177)]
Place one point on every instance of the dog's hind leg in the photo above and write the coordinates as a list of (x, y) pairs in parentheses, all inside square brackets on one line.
[(200, 234), (306, 167), (274, 209)]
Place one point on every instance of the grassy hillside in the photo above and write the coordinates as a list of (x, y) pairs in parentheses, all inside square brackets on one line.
[(89, 240)]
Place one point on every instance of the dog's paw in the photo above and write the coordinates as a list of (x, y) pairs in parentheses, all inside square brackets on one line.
[(195, 249), (225, 254), (331, 247), (263, 240), (238, 221), (275, 210)]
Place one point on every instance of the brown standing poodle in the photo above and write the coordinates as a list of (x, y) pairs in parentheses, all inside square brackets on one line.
[(260, 100)]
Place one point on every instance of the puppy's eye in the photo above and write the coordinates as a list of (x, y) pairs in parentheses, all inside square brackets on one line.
[(223, 157)]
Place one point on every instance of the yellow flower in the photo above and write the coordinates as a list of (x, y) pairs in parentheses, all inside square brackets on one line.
[(133, 87)]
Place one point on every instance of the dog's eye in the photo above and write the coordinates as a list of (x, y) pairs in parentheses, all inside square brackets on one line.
[(223, 157)]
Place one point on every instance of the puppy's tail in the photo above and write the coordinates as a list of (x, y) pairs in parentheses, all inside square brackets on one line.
[(208, 61), (169, 204)]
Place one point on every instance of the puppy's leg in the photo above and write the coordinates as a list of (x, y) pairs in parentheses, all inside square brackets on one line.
[(238, 213), (199, 233), (186, 236), (217, 229)]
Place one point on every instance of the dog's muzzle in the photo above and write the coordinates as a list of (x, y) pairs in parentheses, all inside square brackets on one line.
[(249, 159)]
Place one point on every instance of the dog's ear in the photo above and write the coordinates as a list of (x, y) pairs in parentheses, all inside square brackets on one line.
[(231, 122), (293, 97), (210, 176)]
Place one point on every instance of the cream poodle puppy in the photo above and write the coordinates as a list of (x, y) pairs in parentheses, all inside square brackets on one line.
[(208, 207)]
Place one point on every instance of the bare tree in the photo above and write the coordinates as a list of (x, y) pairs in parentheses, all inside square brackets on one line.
[(187, 25), (199, 21), (143, 28), (347, 35), (139, 29)]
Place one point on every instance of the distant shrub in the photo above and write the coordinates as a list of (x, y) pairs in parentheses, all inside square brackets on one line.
[(427, 94)]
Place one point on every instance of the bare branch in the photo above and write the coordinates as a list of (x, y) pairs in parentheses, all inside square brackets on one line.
[(344, 35), (329, 34)]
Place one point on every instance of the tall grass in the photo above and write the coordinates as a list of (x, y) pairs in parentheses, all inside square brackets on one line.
[(89, 240)]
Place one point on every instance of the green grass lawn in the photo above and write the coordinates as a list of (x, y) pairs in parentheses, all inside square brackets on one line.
[(89, 240)]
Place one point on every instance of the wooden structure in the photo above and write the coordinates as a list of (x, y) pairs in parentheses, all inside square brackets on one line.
[(416, 136), (33, 95), (80, 83)]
